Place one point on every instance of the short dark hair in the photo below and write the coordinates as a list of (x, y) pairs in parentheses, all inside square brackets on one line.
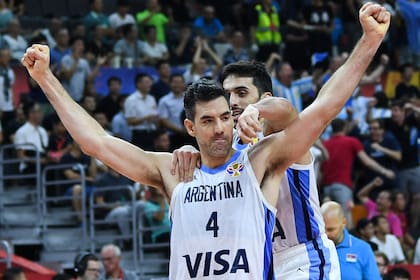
[(397, 272), (61, 276), (28, 106), (250, 69), (375, 219), (338, 125), (113, 79), (203, 90), (362, 224), (380, 122), (140, 76), (12, 273)]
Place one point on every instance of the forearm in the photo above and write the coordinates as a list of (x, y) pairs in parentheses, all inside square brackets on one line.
[(82, 127), (395, 155), (277, 112), (342, 83)]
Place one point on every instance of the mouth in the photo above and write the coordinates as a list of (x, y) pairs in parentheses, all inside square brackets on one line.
[(236, 112)]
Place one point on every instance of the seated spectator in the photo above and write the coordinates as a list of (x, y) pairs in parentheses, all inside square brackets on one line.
[(182, 46), (161, 87), (199, 67), (74, 157), (382, 262), (112, 205), (236, 50), (6, 15), (96, 17), (387, 243), (15, 41), (54, 25), (111, 257), (88, 102), (378, 107), (156, 214), (127, 50), (119, 125), (121, 16), (365, 231), (31, 133), (208, 26), (98, 46), (398, 273), (14, 273), (60, 49), (152, 50), (59, 142), (7, 80), (381, 206), (404, 89), (109, 104)]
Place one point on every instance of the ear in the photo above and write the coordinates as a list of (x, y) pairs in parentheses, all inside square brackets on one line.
[(189, 126), (265, 94)]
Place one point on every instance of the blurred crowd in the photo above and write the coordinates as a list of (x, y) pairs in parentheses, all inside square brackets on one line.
[(369, 156)]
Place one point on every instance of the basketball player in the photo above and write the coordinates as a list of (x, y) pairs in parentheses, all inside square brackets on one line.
[(301, 248), (209, 236)]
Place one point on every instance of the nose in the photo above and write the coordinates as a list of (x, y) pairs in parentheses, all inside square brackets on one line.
[(218, 127)]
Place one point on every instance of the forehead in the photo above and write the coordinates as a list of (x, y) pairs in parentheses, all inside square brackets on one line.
[(213, 108), (233, 82), (92, 264)]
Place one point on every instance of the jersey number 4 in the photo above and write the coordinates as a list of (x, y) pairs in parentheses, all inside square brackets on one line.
[(212, 224)]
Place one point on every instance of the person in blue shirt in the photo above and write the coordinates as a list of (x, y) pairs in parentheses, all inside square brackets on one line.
[(208, 26), (357, 261)]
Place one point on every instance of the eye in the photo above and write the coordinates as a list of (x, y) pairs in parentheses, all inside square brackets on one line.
[(242, 93)]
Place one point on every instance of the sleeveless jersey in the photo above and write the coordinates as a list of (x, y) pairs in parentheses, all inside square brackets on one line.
[(221, 225)]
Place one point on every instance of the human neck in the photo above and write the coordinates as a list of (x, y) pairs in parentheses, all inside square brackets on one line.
[(213, 162)]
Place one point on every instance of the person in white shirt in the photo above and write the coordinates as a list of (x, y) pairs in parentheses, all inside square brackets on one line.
[(387, 243), (121, 16)]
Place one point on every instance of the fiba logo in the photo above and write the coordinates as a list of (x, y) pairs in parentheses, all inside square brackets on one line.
[(235, 169)]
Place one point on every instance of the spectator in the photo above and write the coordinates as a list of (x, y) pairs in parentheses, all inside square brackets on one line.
[(404, 125), (141, 113), (284, 84), (112, 205), (119, 126), (96, 17), (398, 273), (161, 87), (378, 107), (382, 262), (265, 30), (383, 147), (209, 27), (14, 273), (170, 109), (121, 16), (152, 50), (128, 48), (88, 102), (109, 104), (60, 49), (75, 69), (351, 28), (337, 170), (199, 67), (111, 257), (98, 45), (54, 25), (354, 255), (152, 15), (156, 213), (387, 243), (31, 133), (7, 79), (75, 156), (381, 206), (6, 15), (236, 50), (365, 231), (319, 22), (404, 89), (183, 46), (59, 142), (15, 41), (86, 267)]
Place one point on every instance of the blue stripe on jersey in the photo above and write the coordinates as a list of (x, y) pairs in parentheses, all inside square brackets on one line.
[(268, 273), (306, 225), (222, 167), (318, 254)]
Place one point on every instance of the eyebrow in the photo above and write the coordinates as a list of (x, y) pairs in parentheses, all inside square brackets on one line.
[(236, 88), (211, 117)]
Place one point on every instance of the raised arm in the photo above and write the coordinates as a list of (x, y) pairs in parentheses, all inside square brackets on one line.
[(127, 159), (303, 132)]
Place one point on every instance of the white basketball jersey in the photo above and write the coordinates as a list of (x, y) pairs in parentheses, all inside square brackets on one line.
[(221, 225)]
